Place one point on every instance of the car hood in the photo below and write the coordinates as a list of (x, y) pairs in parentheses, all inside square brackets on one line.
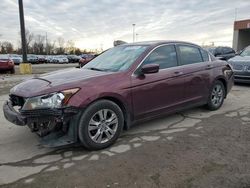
[(55, 81), (239, 59)]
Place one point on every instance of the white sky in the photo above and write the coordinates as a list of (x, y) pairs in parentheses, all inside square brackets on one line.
[(92, 24)]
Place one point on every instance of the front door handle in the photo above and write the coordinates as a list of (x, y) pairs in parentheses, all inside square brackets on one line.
[(178, 73)]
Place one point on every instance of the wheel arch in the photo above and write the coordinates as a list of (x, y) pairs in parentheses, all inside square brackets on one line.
[(123, 106), (117, 99), (224, 82)]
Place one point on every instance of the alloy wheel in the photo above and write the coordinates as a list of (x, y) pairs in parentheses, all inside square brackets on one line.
[(217, 95), (103, 126)]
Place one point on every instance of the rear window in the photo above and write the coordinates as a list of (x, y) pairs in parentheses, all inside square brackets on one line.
[(189, 55), (227, 50), (204, 54)]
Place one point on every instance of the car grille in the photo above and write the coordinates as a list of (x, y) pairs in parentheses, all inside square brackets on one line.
[(41, 112), (16, 100), (238, 67)]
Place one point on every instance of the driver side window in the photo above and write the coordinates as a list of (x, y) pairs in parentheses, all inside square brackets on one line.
[(165, 56)]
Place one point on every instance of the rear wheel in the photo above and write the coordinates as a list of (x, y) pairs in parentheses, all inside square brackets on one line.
[(100, 125), (217, 95)]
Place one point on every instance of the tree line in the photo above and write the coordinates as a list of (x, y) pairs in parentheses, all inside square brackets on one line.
[(40, 45)]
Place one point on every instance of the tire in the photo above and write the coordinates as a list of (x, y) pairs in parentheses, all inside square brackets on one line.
[(216, 96), (107, 121), (12, 71)]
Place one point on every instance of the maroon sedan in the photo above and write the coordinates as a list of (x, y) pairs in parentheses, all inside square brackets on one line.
[(6, 64), (122, 86)]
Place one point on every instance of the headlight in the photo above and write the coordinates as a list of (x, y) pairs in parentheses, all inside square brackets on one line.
[(54, 100)]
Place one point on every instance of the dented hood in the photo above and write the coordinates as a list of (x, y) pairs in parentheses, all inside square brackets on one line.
[(55, 81)]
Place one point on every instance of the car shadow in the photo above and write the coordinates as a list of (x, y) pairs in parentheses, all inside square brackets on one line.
[(242, 84)]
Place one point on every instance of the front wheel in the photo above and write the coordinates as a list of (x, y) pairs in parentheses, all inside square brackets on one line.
[(12, 71), (100, 125), (217, 95)]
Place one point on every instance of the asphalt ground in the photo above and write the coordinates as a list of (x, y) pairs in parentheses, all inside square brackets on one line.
[(194, 148)]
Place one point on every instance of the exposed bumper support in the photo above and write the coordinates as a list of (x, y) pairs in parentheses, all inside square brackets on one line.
[(62, 128)]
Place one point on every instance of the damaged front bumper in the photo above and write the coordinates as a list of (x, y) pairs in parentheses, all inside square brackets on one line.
[(12, 115), (57, 127)]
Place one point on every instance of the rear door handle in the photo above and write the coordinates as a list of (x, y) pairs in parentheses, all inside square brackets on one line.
[(208, 67)]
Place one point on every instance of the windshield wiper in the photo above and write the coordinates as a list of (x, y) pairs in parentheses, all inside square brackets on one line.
[(103, 70), (96, 69)]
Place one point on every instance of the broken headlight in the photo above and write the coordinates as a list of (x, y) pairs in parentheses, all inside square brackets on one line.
[(53, 100)]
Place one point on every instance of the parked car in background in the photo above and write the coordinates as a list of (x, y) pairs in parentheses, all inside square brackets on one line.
[(41, 58), (241, 66), (48, 58), (223, 53), (17, 59), (121, 86), (73, 58), (33, 59), (85, 58), (60, 59), (6, 63)]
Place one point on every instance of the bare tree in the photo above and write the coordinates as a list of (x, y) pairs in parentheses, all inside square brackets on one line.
[(29, 38), (51, 47), (70, 47), (61, 43), (38, 46), (7, 47)]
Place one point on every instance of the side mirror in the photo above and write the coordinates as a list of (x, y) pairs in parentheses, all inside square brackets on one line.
[(221, 58), (150, 68)]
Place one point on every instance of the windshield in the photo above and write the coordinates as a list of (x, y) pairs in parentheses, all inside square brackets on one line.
[(246, 52), (14, 55), (61, 56), (4, 57), (116, 59)]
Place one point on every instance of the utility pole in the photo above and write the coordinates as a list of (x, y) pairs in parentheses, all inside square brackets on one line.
[(133, 32), (25, 68), (137, 37), (22, 26), (46, 41)]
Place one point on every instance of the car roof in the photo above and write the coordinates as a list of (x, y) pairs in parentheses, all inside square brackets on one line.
[(159, 42)]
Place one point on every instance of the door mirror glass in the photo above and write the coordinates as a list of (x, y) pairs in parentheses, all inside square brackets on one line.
[(150, 68)]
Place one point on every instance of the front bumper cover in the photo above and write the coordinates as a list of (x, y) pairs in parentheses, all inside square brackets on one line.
[(23, 117), (12, 115)]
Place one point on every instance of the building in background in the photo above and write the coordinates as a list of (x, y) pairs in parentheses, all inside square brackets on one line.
[(241, 38)]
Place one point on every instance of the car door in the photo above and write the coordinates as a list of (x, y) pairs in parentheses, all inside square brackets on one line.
[(158, 92), (197, 69)]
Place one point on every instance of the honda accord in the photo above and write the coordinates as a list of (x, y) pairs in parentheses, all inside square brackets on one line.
[(124, 85)]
